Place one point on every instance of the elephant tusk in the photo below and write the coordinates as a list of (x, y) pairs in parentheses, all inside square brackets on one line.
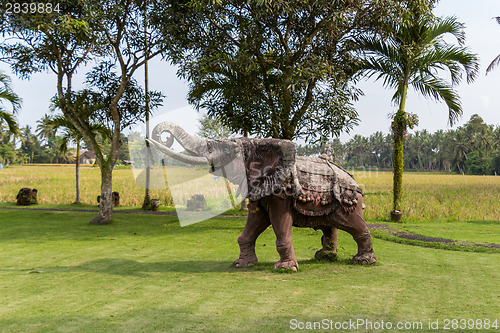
[(190, 143), (195, 160)]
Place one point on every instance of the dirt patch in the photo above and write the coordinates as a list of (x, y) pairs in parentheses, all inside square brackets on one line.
[(143, 212), (408, 235), (94, 211)]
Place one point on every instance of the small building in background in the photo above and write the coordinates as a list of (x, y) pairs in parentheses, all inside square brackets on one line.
[(87, 157)]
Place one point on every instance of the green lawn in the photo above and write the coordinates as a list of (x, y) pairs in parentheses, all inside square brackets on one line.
[(473, 231), (147, 274)]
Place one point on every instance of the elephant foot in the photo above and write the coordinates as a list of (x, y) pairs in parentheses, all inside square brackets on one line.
[(365, 258), (287, 265), (325, 255), (245, 262)]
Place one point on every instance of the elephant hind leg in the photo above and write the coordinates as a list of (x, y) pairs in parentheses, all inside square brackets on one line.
[(354, 223), (365, 256), (329, 243), (256, 224)]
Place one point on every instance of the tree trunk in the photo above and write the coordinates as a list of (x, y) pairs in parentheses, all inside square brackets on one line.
[(398, 170), (244, 203), (77, 200), (106, 203), (459, 169), (147, 199), (146, 204), (398, 131)]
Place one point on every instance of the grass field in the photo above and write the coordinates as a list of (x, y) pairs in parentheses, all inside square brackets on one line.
[(426, 197), (147, 274), (56, 184)]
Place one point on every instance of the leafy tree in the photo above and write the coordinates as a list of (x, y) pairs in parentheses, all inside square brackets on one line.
[(213, 129), (462, 150), (92, 104), (46, 131), (30, 145), (439, 142), (477, 164), (71, 135), (124, 154), (62, 42), (496, 164), (413, 55), (8, 95), (280, 69), (7, 153), (225, 92)]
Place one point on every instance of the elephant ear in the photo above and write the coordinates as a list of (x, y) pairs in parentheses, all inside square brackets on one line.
[(268, 165)]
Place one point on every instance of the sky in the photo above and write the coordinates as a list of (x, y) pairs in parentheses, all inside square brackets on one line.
[(482, 97)]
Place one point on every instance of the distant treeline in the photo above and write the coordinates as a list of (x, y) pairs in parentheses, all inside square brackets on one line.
[(29, 147), (470, 149)]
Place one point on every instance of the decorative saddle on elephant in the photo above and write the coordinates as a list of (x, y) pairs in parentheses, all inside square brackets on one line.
[(317, 185), (324, 186)]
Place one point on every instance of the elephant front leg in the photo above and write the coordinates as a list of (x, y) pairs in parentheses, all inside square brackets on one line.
[(257, 222), (329, 243), (281, 220)]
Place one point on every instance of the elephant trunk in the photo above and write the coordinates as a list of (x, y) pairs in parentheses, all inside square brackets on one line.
[(191, 144), (194, 160)]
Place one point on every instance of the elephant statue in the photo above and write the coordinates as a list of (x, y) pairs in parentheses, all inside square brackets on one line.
[(283, 189)]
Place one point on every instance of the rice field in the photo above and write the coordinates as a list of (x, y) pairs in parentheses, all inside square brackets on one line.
[(56, 183), (433, 196), (427, 197)]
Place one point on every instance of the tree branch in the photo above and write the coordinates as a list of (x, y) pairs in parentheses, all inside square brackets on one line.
[(307, 102)]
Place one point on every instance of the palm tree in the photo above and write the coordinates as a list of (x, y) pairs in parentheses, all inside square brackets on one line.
[(49, 126), (413, 55), (460, 149), (45, 128), (7, 94), (71, 135), (496, 139)]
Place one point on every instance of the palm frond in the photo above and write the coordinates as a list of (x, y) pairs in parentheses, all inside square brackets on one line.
[(431, 86), (11, 97), (417, 51), (102, 130), (374, 47), (382, 58), (384, 70), (6, 93), (63, 143), (10, 120), (493, 64), (447, 25), (452, 58), (495, 61)]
